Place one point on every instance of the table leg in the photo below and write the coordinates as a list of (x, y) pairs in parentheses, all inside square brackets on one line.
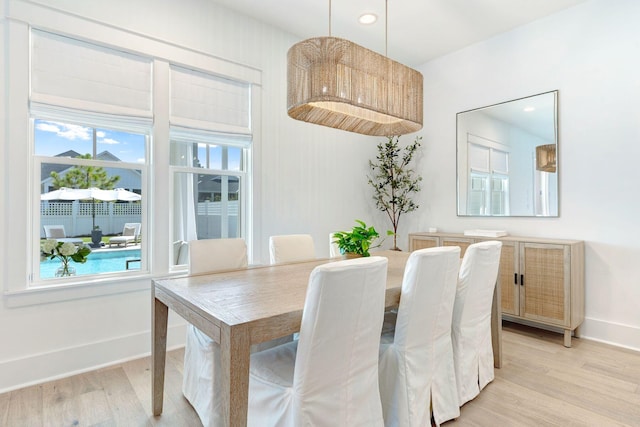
[(159, 314), (496, 326), (235, 349)]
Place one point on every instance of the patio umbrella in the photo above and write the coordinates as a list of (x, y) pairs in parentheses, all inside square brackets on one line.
[(65, 193), (112, 195)]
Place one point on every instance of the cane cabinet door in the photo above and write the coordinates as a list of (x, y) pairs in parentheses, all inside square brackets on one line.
[(464, 243), (422, 242), (545, 283), (508, 278)]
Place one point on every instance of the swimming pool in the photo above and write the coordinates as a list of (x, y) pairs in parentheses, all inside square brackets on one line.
[(97, 262)]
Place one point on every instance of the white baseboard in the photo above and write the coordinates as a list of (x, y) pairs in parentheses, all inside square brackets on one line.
[(617, 334), (597, 330), (61, 363)]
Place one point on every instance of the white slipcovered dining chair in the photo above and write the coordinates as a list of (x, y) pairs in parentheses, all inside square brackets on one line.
[(202, 354), (291, 248), (329, 377), (471, 324), (211, 255), (416, 370)]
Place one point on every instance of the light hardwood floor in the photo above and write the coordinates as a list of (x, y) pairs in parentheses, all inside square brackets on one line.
[(541, 383)]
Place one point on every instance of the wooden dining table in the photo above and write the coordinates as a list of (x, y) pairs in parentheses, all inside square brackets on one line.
[(238, 308)]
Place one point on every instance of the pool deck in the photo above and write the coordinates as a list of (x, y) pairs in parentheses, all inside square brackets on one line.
[(107, 248)]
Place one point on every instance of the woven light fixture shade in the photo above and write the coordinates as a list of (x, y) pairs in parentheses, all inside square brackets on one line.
[(337, 83), (546, 158)]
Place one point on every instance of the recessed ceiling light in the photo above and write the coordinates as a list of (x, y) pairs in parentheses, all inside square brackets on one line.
[(367, 18), (528, 109)]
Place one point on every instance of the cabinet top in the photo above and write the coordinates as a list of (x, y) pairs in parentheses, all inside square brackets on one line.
[(503, 238)]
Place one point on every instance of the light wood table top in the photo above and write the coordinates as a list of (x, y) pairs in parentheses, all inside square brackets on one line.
[(243, 307)]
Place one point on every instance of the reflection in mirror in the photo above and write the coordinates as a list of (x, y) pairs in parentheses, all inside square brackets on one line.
[(507, 158)]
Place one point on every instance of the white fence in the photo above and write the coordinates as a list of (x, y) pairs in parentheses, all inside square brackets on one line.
[(209, 219), (77, 216)]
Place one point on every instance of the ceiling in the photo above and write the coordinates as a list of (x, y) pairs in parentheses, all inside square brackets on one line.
[(417, 31)]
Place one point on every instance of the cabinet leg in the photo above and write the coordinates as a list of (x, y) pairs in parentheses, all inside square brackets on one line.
[(567, 338), (576, 332)]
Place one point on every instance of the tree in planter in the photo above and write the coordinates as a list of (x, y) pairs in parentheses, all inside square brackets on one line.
[(394, 181), (85, 177)]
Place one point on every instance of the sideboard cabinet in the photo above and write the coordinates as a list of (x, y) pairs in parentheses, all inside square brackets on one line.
[(541, 280)]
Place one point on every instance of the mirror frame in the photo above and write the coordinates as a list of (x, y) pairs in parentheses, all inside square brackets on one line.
[(552, 206)]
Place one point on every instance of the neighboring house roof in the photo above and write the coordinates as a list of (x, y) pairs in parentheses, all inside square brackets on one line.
[(213, 184), (106, 155), (47, 168), (130, 181), (69, 153)]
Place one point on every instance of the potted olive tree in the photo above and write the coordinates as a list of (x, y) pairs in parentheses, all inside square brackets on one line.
[(358, 241), (394, 180)]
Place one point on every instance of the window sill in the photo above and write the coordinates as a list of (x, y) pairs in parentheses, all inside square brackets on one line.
[(94, 288)]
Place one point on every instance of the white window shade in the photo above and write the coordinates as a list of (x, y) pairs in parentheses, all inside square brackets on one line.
[(182, 135), (206, 101), (75, 74), (499, 161), (478, 158)]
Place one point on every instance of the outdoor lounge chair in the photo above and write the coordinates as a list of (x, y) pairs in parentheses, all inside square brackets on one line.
[(57, 232), (130, 234)]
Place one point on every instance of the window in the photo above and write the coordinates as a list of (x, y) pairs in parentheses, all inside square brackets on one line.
[(91, 116), (209, 188), (72, 159), (74, 101), (210, 151), (499, 194), (488, 178)]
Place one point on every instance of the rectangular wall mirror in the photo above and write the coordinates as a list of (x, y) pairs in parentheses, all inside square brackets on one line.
[(507, 159)]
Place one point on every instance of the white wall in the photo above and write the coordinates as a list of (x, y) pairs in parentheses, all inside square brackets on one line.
[(309, 179), (591, 54)]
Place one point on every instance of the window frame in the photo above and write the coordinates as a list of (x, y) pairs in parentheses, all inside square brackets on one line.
[(18, 258), (183, 136), (35, 279)]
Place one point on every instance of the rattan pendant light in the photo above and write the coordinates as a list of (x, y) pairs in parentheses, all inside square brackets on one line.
[(546, 158), (337, 83)]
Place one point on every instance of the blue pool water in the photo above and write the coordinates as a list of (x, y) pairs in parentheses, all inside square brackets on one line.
[(97, 262)]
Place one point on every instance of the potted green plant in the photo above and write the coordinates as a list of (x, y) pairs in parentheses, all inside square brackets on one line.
[(358, 241)]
